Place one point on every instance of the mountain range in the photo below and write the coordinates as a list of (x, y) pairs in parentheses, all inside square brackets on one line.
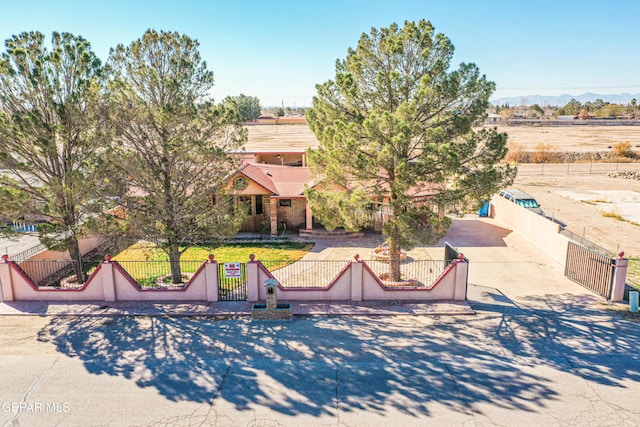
[(560, 100)]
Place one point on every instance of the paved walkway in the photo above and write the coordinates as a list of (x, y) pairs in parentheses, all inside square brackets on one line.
[(233, 309)]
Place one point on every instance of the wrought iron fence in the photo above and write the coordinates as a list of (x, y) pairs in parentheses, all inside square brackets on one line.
[(53, 273), (590, 269), (580, 239), (27, 253), (151, 274), (319, 273), (417, 272), (304, 273)]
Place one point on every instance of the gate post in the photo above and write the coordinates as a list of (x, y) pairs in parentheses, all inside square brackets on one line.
[(211, 279), (462, 278), (253, 290), (108, 282), (356, 278), (6, 284), (619, 277)]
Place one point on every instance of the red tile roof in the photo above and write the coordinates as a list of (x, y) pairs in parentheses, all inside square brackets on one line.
[(290, 181), (281, 181)]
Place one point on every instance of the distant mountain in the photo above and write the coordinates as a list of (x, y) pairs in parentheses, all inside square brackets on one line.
[(514, 101)]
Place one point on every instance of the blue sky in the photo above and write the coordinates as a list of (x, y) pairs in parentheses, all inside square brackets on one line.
[(279, 50)]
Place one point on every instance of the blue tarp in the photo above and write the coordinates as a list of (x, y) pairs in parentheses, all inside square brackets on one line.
[(484, 210)]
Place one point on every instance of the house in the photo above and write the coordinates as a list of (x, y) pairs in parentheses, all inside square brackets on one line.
[(274, 196), (275, 200), (273, 176)]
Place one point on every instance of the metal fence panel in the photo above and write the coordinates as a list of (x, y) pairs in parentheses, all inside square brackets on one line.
[(419, 272), (304, 273), (232, 288), (50, 273), (151, 274), (148, 274), (590, 269), (320, 273)]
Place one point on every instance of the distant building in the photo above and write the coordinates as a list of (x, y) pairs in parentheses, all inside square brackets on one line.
[(493, 118)]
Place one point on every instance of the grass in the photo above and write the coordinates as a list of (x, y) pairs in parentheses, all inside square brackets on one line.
[(633, 272), (593, 202), (617, 216), (234, 252), (613, 215)]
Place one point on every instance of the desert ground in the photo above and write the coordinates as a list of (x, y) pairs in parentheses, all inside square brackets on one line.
[(572, 138), (564, 138)]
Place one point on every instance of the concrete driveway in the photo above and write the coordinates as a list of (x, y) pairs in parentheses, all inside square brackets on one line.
[(539, 351)]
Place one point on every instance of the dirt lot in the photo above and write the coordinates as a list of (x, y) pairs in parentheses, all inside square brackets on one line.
[(572, 138), (565, 138)]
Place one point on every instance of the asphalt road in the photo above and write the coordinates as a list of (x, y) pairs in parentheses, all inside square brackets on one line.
[(539, 351)]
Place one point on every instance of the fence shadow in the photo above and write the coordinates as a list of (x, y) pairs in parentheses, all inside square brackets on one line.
[(407, 363)]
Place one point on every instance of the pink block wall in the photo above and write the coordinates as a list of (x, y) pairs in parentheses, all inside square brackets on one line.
[(109, 282), (356, 282)]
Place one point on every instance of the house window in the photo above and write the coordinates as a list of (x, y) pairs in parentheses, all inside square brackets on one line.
[(240, 183), (259, 210), (285, 202)]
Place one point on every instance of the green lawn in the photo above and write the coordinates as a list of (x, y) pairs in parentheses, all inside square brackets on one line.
[(233, 252), (633, 272), (133, 258)]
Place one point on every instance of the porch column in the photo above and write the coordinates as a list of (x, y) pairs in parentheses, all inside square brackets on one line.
[(273, 214), (308, 216)]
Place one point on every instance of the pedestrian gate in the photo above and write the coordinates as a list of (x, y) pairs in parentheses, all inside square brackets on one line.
[(232, 281), (590, 269)]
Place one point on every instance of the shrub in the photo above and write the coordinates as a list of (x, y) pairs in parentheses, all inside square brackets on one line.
[(623, 149), (545, 153), (516, 153)]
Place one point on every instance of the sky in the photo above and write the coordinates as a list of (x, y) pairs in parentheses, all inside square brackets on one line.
[(279, 50)]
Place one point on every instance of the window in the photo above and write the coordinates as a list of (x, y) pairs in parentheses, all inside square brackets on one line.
[(259, 210), (285, 202), (240, 183)]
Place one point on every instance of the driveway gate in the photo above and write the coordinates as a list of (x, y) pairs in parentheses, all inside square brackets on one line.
[(590, 269), (232, 281)]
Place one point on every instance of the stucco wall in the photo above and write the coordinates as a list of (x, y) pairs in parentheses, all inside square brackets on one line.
[(541, 232), (356, 282), (109, 282)]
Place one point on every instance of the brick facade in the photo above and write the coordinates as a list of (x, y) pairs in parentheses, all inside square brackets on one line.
[(294, 215)]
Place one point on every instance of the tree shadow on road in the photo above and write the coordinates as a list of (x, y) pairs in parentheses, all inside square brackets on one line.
[(318, 365)]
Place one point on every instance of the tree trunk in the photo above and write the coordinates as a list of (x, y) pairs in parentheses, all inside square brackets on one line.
[(76, 258), (174, 260), (394, 262)]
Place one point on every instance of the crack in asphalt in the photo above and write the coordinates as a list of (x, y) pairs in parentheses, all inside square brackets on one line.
[(31, 388)]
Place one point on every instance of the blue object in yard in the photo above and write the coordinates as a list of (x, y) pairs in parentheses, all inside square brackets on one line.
[(484, 210)]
